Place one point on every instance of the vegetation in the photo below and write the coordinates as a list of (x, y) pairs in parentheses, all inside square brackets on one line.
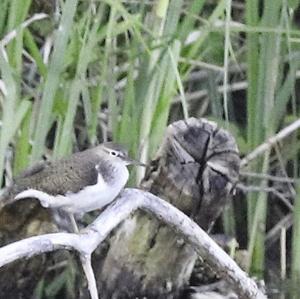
[(88, 71)]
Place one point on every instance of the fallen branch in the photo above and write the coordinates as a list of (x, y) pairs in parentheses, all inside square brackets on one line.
[(270, 142), (129, 201)]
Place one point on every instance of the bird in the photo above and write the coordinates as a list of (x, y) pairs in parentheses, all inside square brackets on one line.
[(83, 182)]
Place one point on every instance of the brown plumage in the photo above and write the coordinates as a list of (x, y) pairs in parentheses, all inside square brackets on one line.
[(59, 177)]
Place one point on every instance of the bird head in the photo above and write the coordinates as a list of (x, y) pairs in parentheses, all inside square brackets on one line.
[(117, 153)]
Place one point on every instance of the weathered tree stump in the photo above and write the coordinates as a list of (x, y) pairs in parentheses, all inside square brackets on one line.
[(194, 169)]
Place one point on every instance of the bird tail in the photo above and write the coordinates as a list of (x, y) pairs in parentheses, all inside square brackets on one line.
[(4, 194), (7, 196)]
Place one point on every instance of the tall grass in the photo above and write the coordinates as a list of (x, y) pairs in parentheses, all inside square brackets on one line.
[(115, 68), (52, 80), (266, 82), (295, 271), (261, 102)]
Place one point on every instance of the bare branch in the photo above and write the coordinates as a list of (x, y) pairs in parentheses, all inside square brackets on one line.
[(270, 142), (273, 234), (267, 190), (130, 200), (267, 177), (89, 274), (12, 34), (39, 244)]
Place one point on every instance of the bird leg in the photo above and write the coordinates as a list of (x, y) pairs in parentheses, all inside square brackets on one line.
[(50, 201), (73, 223)]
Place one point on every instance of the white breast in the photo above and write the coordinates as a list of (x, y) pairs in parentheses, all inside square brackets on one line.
[(99, 195)]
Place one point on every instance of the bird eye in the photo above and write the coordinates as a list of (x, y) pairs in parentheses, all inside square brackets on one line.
[(113, 153)]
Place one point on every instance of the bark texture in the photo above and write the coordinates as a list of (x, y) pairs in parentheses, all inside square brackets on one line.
[(18, 221), (195, 169)]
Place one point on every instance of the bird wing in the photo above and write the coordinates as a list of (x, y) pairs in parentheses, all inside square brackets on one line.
[(34, 169), (20, 181), (59, 177)]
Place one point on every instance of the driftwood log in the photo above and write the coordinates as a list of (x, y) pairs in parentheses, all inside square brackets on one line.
[(195, 169)]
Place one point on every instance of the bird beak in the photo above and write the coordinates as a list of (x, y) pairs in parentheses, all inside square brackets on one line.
[(134, 162)]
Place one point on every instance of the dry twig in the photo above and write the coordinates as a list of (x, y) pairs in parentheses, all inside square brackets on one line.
[(271, 142)]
